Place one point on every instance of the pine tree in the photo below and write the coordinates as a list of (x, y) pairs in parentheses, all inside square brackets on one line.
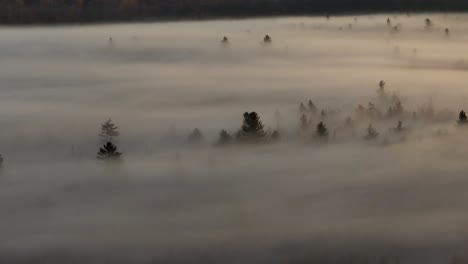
[(312, 107), (428, 23), (196, 136), (323, 114), (275, 135), (399, 127), (252, 127), (462, 118), (224, 138), (371, 133), (109, 131), (109, 153), (305, 123), (1, 161), (349, 122), (302, 108), (321, 131)]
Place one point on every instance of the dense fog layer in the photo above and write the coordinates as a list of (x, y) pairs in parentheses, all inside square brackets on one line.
[(397, 198)]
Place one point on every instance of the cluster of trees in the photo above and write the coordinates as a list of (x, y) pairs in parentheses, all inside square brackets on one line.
[(54, 11), (313, 124)]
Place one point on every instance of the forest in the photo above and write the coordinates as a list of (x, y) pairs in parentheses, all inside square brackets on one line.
[(89, 11)]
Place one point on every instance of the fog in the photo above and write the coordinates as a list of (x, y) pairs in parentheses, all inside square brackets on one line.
[(395, 199)]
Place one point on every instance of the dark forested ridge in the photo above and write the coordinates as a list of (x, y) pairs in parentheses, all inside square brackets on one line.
[(77, 11)]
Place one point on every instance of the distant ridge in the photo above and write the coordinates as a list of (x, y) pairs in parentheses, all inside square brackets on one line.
[(95, 11)]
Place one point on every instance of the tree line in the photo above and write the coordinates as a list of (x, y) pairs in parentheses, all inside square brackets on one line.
[(85, 11), (313, 125)]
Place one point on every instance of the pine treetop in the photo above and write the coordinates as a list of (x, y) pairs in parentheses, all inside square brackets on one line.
[(109, 153), (321, 130)]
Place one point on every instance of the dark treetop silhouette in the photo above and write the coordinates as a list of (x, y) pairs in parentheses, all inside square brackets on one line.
[(252, 128), (321, 131), (109, 131), (109, 153)]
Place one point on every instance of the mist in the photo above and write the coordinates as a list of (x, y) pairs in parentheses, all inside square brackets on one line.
[(395, 199)]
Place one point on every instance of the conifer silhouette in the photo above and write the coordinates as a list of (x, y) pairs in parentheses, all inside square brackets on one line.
[(252, 127), (371, 133), (302, 108), (304, 122), (321, 131), (428, 23), (267, 39), (224, 138), (196, 136), (349, 122), (109, 153), (462, 118), (312, 107), (323, 114), (109, 131), (399, 127), (275, 135), (1, 161)]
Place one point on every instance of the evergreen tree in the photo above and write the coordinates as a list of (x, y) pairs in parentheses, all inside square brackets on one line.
[(302, 108), (109, 153), (224, 138), (267, 39), (225, 40), (321, 131), (462, 118), (1, 161), (323, 114), (109, 131), (196, 136), (371, 133), (399, 127), (428, 23), (275, 135), (252, 127), (305, 122), (312, 107), (349, 122)]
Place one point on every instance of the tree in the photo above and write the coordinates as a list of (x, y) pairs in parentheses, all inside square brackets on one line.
[(225, 40), (275, 135), (109, 153), (349, 122), (305, 122), (224, 138), (323, 114), (321, 131), (371, 133), (399, 127), (312, 107), (252, 127), (462, 118), (109, 131), (302, 108), (195, 137), (1, 161), (267, 39), (428, 23)]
